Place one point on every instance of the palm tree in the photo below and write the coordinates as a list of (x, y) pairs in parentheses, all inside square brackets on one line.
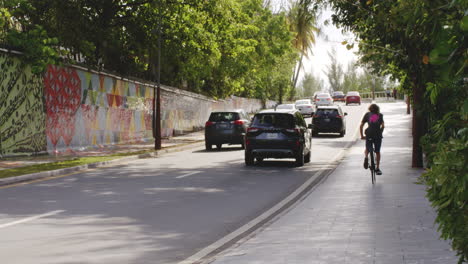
[(302, 20)]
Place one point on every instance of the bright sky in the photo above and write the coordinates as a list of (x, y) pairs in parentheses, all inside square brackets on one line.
[(330, 37)]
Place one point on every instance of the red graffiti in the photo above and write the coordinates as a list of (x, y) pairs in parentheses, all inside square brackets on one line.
[(62, 91), (89, 118)]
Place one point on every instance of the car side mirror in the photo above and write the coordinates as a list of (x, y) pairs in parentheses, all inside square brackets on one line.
[(345, 113), (310, 126)]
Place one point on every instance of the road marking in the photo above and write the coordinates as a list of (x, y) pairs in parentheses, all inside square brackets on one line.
[(198, 257), (28, 219), (187, 174)]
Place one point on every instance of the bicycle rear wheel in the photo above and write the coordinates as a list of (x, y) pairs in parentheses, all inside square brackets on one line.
[(372, 166)]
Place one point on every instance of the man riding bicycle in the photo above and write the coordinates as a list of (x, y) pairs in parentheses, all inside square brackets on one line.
[(373, 132)]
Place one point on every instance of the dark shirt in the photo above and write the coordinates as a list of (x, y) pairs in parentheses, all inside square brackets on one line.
[(374, 121)]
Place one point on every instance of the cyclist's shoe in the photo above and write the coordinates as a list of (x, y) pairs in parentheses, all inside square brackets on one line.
[(366, 163), (378, 172)]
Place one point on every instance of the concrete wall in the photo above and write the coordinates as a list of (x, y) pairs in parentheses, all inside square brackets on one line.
[(71, 108)]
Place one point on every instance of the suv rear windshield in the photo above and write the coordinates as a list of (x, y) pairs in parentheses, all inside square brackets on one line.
[(327, 112), (303, 102), (273, 121), (224, 116)]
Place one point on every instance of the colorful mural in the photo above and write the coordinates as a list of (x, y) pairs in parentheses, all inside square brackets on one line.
[(91, 110), (22, 116), (69, 109)]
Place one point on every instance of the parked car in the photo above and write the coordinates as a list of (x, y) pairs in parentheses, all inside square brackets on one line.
[(338, 96), (353, 98), (226, 128), (278, 134), (329, 119), (286, 107), (323, 99), (305, 106)]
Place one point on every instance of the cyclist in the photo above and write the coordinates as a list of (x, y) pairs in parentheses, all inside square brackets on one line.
[(375, 127)]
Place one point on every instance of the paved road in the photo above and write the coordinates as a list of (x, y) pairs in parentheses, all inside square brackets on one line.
[(153, 210)]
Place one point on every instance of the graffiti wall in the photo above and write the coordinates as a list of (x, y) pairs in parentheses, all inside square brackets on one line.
[(86, 109), (22, 116), (70, 109)]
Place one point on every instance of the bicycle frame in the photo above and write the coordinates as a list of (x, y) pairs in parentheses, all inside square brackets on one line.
[(372, 160)]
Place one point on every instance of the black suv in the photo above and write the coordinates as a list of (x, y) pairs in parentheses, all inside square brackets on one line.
[(226, 128), (329, 119), (278, 134)]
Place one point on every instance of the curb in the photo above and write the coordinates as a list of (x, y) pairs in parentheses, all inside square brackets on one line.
[(46, 174)]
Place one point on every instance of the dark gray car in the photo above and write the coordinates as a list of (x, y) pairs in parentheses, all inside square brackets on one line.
[(227, 127), (329, 119), (278, 134)]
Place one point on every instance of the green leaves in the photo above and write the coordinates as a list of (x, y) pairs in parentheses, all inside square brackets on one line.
[(464, 23)]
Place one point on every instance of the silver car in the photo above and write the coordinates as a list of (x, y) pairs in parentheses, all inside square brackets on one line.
[(286, 107), (305, 106), (323, 99)]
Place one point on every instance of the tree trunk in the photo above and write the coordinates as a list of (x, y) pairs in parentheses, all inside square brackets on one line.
[(418, 125), (297, 72), (408, 108)]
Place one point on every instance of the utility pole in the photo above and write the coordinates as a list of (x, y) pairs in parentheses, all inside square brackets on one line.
[(373, 90), (157, 91)]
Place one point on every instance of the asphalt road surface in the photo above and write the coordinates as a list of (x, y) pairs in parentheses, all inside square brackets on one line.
[(158, 210)]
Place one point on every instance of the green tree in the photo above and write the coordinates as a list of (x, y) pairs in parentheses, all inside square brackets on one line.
[(310, 84), (334, 72), (302, 17)]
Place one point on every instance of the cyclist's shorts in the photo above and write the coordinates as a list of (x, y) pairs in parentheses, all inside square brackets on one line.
[(377, 144)]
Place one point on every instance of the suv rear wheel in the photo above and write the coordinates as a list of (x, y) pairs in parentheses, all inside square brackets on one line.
[(207, 145), (249, 159), (300, 159), (307, 157)]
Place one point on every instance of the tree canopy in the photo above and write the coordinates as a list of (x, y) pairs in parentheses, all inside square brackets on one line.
[(218, 48)]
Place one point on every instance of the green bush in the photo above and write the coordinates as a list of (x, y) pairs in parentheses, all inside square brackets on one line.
[(447, 185)]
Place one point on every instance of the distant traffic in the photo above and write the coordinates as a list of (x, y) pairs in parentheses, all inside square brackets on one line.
[(281, 132)]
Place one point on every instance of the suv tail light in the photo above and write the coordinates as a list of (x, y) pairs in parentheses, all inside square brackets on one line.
[(253, 129), (293, 130), (209, 123), (338, 116), (237, 122), (328, 99), (309, 106)]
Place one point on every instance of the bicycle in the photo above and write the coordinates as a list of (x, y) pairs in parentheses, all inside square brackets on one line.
[(372, 159)]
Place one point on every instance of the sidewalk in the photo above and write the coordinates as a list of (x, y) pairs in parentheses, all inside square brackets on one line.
[(346, 219), (22, 161)]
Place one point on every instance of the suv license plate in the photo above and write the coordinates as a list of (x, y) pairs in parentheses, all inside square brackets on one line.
[(272, 135), (327, 120), (222, 125)]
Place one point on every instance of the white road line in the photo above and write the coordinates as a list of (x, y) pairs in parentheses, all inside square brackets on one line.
[(187, 174), (210, 248), (31, 218)]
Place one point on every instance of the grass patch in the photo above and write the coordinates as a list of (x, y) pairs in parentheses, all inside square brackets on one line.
[(64, 164)]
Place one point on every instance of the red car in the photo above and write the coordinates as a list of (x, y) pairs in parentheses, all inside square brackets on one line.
[(353, 98)]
